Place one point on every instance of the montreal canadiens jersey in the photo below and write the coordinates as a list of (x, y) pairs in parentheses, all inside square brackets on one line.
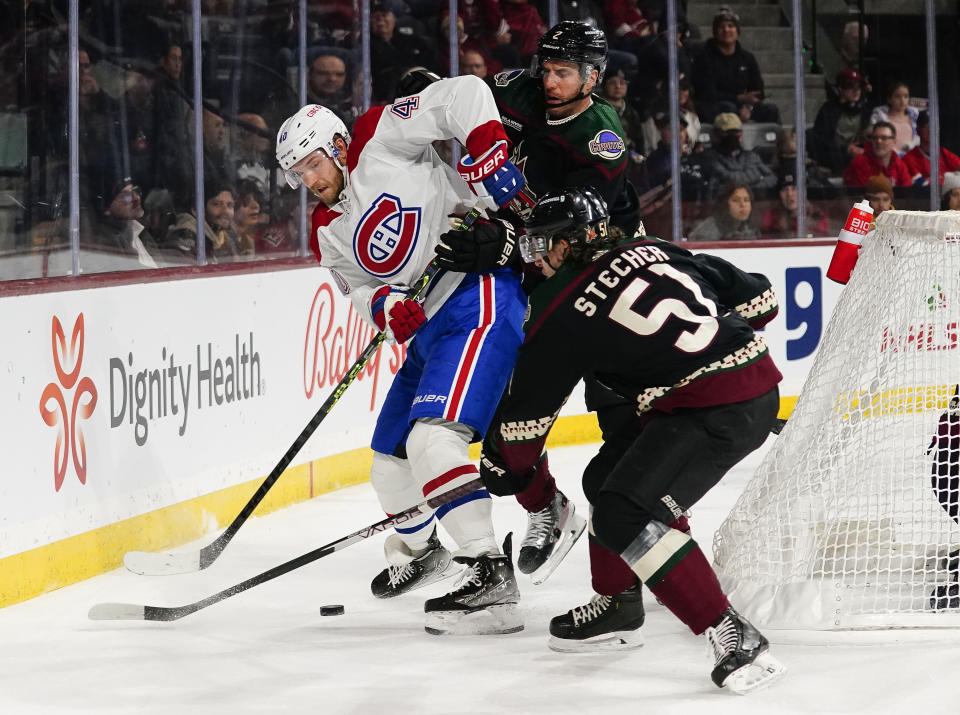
[(584, 150), (399, 193), (658, 325)]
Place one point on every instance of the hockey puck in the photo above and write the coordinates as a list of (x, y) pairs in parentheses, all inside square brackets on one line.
[(335, 610)]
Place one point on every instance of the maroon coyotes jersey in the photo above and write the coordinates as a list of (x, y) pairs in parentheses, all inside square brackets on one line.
[(658, 325)]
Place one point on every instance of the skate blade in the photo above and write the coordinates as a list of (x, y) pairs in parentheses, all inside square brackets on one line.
[(573, 529), (492, 620), (607, 642), (760, 674)]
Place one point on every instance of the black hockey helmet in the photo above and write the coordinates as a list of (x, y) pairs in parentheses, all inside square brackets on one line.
[(577, 215), (415, 80), (573, 41)]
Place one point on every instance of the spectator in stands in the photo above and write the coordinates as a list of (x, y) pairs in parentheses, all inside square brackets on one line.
[(247, 219), (173, 157), (117, 225), (727, 77), (650, 130), (215, 164), (848, 57), (918, 158), (393, 51), (159, 214), (141, 135), (218, 231), (328, 84), (473, 63), (483, 22), (251, 145), (731, 216), (728, 162), (627, 27), (614, 90), (878, 157), (526, 26), (950, 192), (879, 193), (282, 234), (786, 159), (782, 221), (837, 133), (901, 115)]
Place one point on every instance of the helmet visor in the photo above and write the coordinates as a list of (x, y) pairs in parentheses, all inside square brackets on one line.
[(533, 246), (294, 179)]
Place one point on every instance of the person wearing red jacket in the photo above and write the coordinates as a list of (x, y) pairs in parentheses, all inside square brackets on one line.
[(526, 26), (878, 157), (918, 158)]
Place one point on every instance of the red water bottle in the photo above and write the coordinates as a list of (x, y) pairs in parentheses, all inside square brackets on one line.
[(849, 241)]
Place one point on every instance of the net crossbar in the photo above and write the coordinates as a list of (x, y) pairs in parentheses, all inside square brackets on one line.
[(851, 520)]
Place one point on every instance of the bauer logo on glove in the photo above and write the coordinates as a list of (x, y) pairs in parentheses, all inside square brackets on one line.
[(492, 174)]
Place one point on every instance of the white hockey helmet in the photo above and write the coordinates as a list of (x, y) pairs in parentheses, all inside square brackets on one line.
[(311, 129)]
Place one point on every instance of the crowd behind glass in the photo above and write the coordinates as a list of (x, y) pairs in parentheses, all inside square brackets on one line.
[(138, 155)]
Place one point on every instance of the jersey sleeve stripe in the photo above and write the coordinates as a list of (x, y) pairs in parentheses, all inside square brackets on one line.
[(468, 359)]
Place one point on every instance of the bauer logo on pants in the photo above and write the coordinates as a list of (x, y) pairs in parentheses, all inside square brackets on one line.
[(386, 235)]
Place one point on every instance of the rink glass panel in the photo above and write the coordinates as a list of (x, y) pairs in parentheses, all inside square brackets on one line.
[(256, 60)]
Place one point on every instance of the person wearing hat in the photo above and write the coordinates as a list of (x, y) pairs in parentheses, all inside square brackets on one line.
[(116, 225), (918, 158), (727, 78), (950, 192), (781, 221), (879, 157), (614, 90), (837, 135), (221, 237), (879, 192), (394, 48), (657, 165), (727, 161)]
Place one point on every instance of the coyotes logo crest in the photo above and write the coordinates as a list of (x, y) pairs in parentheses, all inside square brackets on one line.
[(386, 236)]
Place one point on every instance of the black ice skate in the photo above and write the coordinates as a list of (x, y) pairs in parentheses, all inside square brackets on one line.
[(407, 572), (947, 596), (606, 623), (743, 662), (551, 533), (485, 601)]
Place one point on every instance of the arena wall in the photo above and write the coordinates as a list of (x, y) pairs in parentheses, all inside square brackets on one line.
[(143, 415)]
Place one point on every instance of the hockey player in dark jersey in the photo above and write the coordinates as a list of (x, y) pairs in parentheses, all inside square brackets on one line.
[(561, 135), (671, 331)]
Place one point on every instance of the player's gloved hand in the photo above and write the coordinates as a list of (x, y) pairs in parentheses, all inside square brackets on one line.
[(497, 476), (483, 247), (494, 171), (396, 316)]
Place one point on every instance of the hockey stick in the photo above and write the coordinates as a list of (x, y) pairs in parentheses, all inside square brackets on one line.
[(159, 564), (134, 612)]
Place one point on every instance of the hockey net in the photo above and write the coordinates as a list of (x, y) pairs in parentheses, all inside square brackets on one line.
[(846, 522)]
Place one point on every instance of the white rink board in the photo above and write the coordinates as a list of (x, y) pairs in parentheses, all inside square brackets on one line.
[(304, 336)]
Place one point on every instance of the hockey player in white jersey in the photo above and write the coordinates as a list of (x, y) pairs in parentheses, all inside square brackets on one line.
[(385, 197)]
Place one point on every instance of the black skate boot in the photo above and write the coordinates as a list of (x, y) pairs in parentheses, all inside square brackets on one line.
[(407, 571), (606, 623), (743, 662), (947, 596), (485, 601), (551, 533)]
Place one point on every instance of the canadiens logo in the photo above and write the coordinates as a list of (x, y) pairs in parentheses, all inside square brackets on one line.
[(502, 79), (386, 236), (405, 107), (606, 145)]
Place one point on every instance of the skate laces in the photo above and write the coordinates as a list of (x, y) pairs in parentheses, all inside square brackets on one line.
[(723, 639), (598, 604), (399, 574), (469, 578), (540, 526)]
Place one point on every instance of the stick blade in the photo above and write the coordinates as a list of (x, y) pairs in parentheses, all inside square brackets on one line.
[(117, 612), (147, 563)]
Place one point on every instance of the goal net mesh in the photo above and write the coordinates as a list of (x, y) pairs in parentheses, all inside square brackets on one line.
[(851, 519)]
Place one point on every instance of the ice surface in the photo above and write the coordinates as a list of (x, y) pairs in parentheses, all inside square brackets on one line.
[(268, 650)]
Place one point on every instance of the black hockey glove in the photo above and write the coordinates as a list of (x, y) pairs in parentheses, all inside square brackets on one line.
[(497, 477), (483, 247)]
